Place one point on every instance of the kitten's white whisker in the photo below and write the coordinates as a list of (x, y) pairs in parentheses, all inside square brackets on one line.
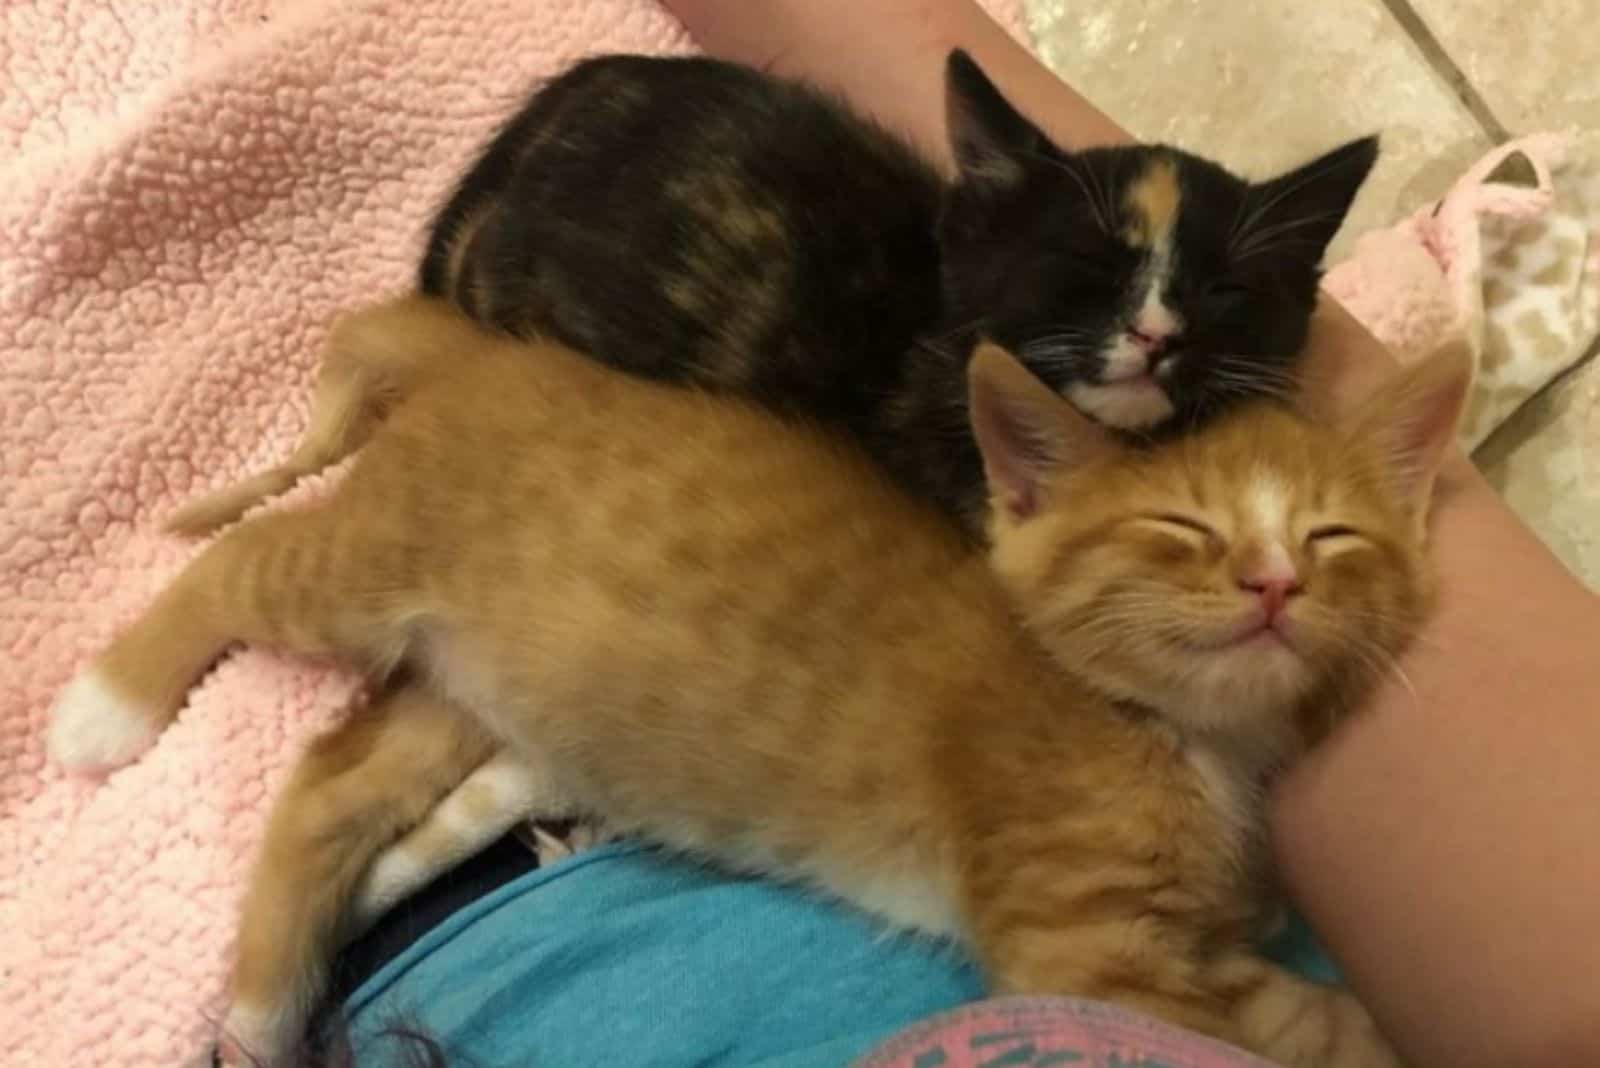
[(1063, 336), (1242, 377), (1242, 391), (1240, 382), (1368, 650), (1269, 239), (1238, 362), (1055, 357), (1105, 195), (936, 341), (1383, 665), (1059, 340), (1376, 618)]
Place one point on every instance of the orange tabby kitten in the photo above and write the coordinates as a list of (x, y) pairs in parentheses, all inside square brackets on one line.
[(727, 634)]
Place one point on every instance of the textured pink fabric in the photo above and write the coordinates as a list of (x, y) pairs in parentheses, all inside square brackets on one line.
[(192, 188)]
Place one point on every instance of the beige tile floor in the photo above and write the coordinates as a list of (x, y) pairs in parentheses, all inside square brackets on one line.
[(1261, 84)]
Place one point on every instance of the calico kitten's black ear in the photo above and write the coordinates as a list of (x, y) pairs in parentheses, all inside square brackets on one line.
[(988, 137), (1412, 418), (1025, 430), (1296, 214)]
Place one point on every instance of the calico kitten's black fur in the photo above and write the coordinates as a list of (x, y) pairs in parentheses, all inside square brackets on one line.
[(695, 220)]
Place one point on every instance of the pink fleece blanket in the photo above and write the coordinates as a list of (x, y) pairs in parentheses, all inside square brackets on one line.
[(191, 190)]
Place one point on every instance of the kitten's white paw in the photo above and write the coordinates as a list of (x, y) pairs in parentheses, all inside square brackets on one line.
[(92, 728), (390, 878)]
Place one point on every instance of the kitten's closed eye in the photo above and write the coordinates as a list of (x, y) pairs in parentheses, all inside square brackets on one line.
[(1111, 256), (1184, 526), (1332, 530), (1106, 267), (1333, 535), (1227, 289)]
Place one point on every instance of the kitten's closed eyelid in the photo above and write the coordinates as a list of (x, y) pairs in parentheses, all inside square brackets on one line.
[(1329, 531), (1178, 519), (1227, 289), (1108, 267)]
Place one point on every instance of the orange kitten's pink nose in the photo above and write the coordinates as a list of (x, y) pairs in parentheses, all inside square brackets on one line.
[(1274, 594), (1273, 578)]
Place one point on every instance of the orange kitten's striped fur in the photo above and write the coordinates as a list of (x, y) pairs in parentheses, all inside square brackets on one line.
[(728, 634)]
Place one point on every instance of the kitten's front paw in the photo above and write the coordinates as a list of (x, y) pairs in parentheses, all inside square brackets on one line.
[(93, 728), (1361, 1044)]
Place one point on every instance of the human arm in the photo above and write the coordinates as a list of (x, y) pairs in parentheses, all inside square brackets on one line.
[(1446, 844), (887, 57)]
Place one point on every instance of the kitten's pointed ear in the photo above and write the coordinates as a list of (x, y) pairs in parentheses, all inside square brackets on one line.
[(1296, 214), (988, 137), (1412, 420), (1025, 430)]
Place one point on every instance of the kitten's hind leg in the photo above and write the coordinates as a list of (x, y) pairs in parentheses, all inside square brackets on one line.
[(356, 790), (375, 359)]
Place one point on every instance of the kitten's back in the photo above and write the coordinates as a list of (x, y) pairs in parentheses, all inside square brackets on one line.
[(739, 218), (694, 569), (621, 494)]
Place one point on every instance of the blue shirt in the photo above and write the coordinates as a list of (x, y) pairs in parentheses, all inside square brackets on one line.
[(623, 956)]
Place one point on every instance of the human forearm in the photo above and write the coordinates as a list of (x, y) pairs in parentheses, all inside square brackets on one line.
[(888, 56), (1447, 844)]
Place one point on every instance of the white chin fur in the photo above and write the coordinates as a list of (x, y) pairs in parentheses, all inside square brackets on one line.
[(1240, 688), (1131, 405), (92, 728)]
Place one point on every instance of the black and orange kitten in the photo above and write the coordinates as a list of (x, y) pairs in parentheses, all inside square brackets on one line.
[(695, 220)]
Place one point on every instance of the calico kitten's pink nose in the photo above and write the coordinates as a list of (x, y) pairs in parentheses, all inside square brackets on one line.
[(1152, 342)]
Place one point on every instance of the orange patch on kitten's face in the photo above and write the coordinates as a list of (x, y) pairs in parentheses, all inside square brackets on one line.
[(1152, 202)]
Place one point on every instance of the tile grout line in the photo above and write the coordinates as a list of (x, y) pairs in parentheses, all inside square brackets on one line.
[(1446, 68)]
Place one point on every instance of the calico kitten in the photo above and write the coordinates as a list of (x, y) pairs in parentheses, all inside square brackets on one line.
[(765, 240), (722, 632)]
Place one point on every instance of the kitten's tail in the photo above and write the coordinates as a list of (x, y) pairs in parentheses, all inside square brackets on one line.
[(375, 359)]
